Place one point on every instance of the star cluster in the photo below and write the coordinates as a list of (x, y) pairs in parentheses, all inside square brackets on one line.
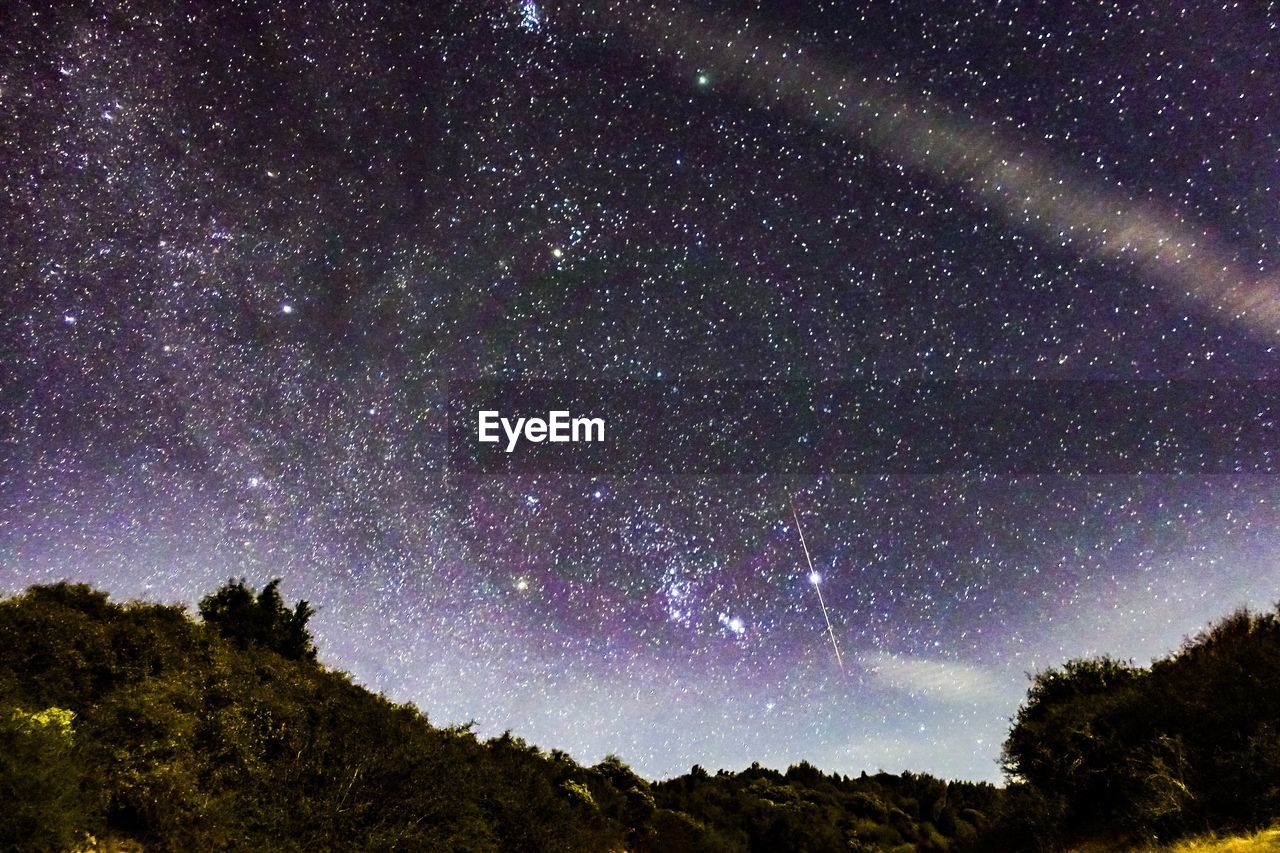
[(246, 249)]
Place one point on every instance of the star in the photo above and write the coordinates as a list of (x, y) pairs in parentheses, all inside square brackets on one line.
[(246, 277)]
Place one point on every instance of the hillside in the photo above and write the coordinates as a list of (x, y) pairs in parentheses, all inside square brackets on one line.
[(137, 722), (142, 726)]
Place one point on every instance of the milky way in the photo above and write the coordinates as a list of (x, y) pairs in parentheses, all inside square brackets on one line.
[(245, 250)]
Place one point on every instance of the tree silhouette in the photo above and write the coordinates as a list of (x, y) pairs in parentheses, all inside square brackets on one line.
[(263, 619)]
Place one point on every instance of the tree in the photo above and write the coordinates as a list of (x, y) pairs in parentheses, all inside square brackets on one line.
[(39, 780), (262, 620), (1187, 744)]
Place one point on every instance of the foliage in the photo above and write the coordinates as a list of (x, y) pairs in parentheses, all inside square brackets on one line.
[(39, 779), (226, 733), (1189, 744), (137, 727), (206, 736), (262, 619), (1266, 841), (805, 809)]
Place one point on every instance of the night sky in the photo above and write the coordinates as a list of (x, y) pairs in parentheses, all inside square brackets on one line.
[(245, 249)]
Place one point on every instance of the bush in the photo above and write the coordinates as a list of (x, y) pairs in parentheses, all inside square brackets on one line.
[(40, 780), (1188, 744)]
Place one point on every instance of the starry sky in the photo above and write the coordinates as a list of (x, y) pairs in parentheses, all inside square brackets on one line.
[(247, 246)]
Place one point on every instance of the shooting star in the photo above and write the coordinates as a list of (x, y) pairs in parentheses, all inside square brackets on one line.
[(816, 580)]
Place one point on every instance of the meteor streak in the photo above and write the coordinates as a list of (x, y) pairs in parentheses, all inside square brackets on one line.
[(816, 580)]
